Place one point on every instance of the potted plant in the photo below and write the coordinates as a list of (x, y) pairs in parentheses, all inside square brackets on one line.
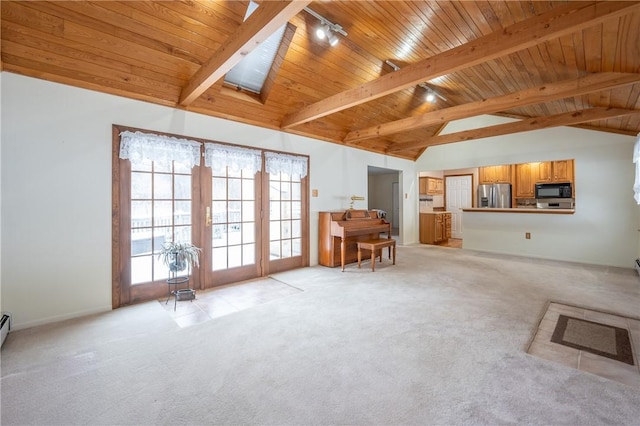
[(177, 256)]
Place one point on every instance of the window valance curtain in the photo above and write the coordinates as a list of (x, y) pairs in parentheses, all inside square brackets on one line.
[(636, 160), (292, 165), (138, 146), (219, 156)]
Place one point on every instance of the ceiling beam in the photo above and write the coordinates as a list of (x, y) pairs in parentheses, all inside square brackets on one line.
[(537, 123), (545, 93), (556, 23), (266, 19)]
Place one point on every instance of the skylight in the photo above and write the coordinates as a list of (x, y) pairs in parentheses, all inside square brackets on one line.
[(251, 73)]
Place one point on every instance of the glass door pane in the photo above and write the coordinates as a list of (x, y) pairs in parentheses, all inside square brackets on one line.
[(285, 221), (235, 224), (160, 212)]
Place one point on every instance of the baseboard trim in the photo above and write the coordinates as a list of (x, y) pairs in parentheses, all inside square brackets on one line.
[(15, 325)]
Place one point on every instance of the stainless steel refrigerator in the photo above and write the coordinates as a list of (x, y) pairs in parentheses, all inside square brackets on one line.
[(495, 195)]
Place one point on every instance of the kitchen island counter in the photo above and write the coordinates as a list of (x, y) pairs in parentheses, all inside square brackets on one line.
[(519, 210)]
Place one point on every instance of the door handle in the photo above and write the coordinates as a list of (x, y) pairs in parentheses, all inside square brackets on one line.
[(208, 216)]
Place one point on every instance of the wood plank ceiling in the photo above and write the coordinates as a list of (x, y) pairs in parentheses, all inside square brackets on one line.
[(549, 63)]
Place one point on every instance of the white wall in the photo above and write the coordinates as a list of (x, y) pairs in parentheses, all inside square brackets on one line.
[(381, 193), (604, 228), (56, 189)]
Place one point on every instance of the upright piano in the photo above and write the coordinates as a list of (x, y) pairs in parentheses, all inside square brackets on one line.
[(338, 233)]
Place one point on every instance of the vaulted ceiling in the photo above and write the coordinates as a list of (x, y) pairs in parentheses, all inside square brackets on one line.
[(548, 63)]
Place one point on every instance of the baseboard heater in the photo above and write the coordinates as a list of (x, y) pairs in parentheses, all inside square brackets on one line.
[(5, 326), (638, 266)]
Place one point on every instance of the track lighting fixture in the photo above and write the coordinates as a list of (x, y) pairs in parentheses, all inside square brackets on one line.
[(327, 29), (431, 96)]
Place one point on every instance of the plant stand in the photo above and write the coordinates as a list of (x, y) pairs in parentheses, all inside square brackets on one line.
[(176, 282)]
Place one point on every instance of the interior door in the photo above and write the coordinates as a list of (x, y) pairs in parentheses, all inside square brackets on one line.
[(459, 196)]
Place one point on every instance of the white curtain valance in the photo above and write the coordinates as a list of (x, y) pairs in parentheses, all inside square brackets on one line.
[(140, 146), (636, 159), (292, 165), (219, 156)]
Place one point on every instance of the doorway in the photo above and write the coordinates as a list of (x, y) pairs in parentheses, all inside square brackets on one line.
[(384, 193), (458, 196)]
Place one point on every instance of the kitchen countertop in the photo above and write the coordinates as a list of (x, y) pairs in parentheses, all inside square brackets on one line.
[(519, 210)]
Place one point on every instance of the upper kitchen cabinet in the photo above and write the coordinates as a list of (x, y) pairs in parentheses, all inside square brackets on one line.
[(555, 171), (431, 186), (494, 174), (526, 175)]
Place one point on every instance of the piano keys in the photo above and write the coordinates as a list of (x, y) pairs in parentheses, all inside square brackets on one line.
[(338, 233)]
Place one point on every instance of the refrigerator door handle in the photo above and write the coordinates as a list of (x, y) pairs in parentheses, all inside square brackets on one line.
[(494, 197)]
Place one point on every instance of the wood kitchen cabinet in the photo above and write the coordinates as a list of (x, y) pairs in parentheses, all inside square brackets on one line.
[(440, 186), (526, 175), (435, 227), (495, 174), (423, 185), (555, 171), (431, 186)]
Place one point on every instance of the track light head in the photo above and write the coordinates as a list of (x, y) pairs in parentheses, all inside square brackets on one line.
[(327, 29), (323, 31), (431, 97), (333, 39)]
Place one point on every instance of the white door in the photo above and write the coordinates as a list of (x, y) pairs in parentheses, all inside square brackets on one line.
[(395, 202), (459, 196)]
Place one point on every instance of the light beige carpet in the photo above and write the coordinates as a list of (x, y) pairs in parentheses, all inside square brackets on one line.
[(438, 339)]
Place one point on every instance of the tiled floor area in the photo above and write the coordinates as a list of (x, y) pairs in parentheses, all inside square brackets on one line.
[(452, 242), (224, 300), (543, 347)]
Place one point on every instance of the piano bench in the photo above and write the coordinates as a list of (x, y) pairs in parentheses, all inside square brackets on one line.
[(374, 246)]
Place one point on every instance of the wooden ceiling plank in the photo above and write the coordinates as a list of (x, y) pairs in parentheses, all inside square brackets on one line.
[(12, 32), (258, 27), (53, 72), (545, 93), (558, 22), (22, 14), (537, 123)]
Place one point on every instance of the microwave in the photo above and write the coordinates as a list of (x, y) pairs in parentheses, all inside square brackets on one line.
[(553, 190)]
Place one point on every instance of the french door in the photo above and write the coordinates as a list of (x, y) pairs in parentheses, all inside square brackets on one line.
[(248, 224)]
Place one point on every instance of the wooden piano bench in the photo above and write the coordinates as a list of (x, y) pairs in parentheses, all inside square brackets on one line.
[(374, 246)]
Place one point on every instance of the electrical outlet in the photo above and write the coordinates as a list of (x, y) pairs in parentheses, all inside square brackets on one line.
[(527, 235)]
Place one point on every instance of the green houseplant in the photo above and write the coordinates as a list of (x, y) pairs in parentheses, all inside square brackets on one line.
[(177, 256)]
